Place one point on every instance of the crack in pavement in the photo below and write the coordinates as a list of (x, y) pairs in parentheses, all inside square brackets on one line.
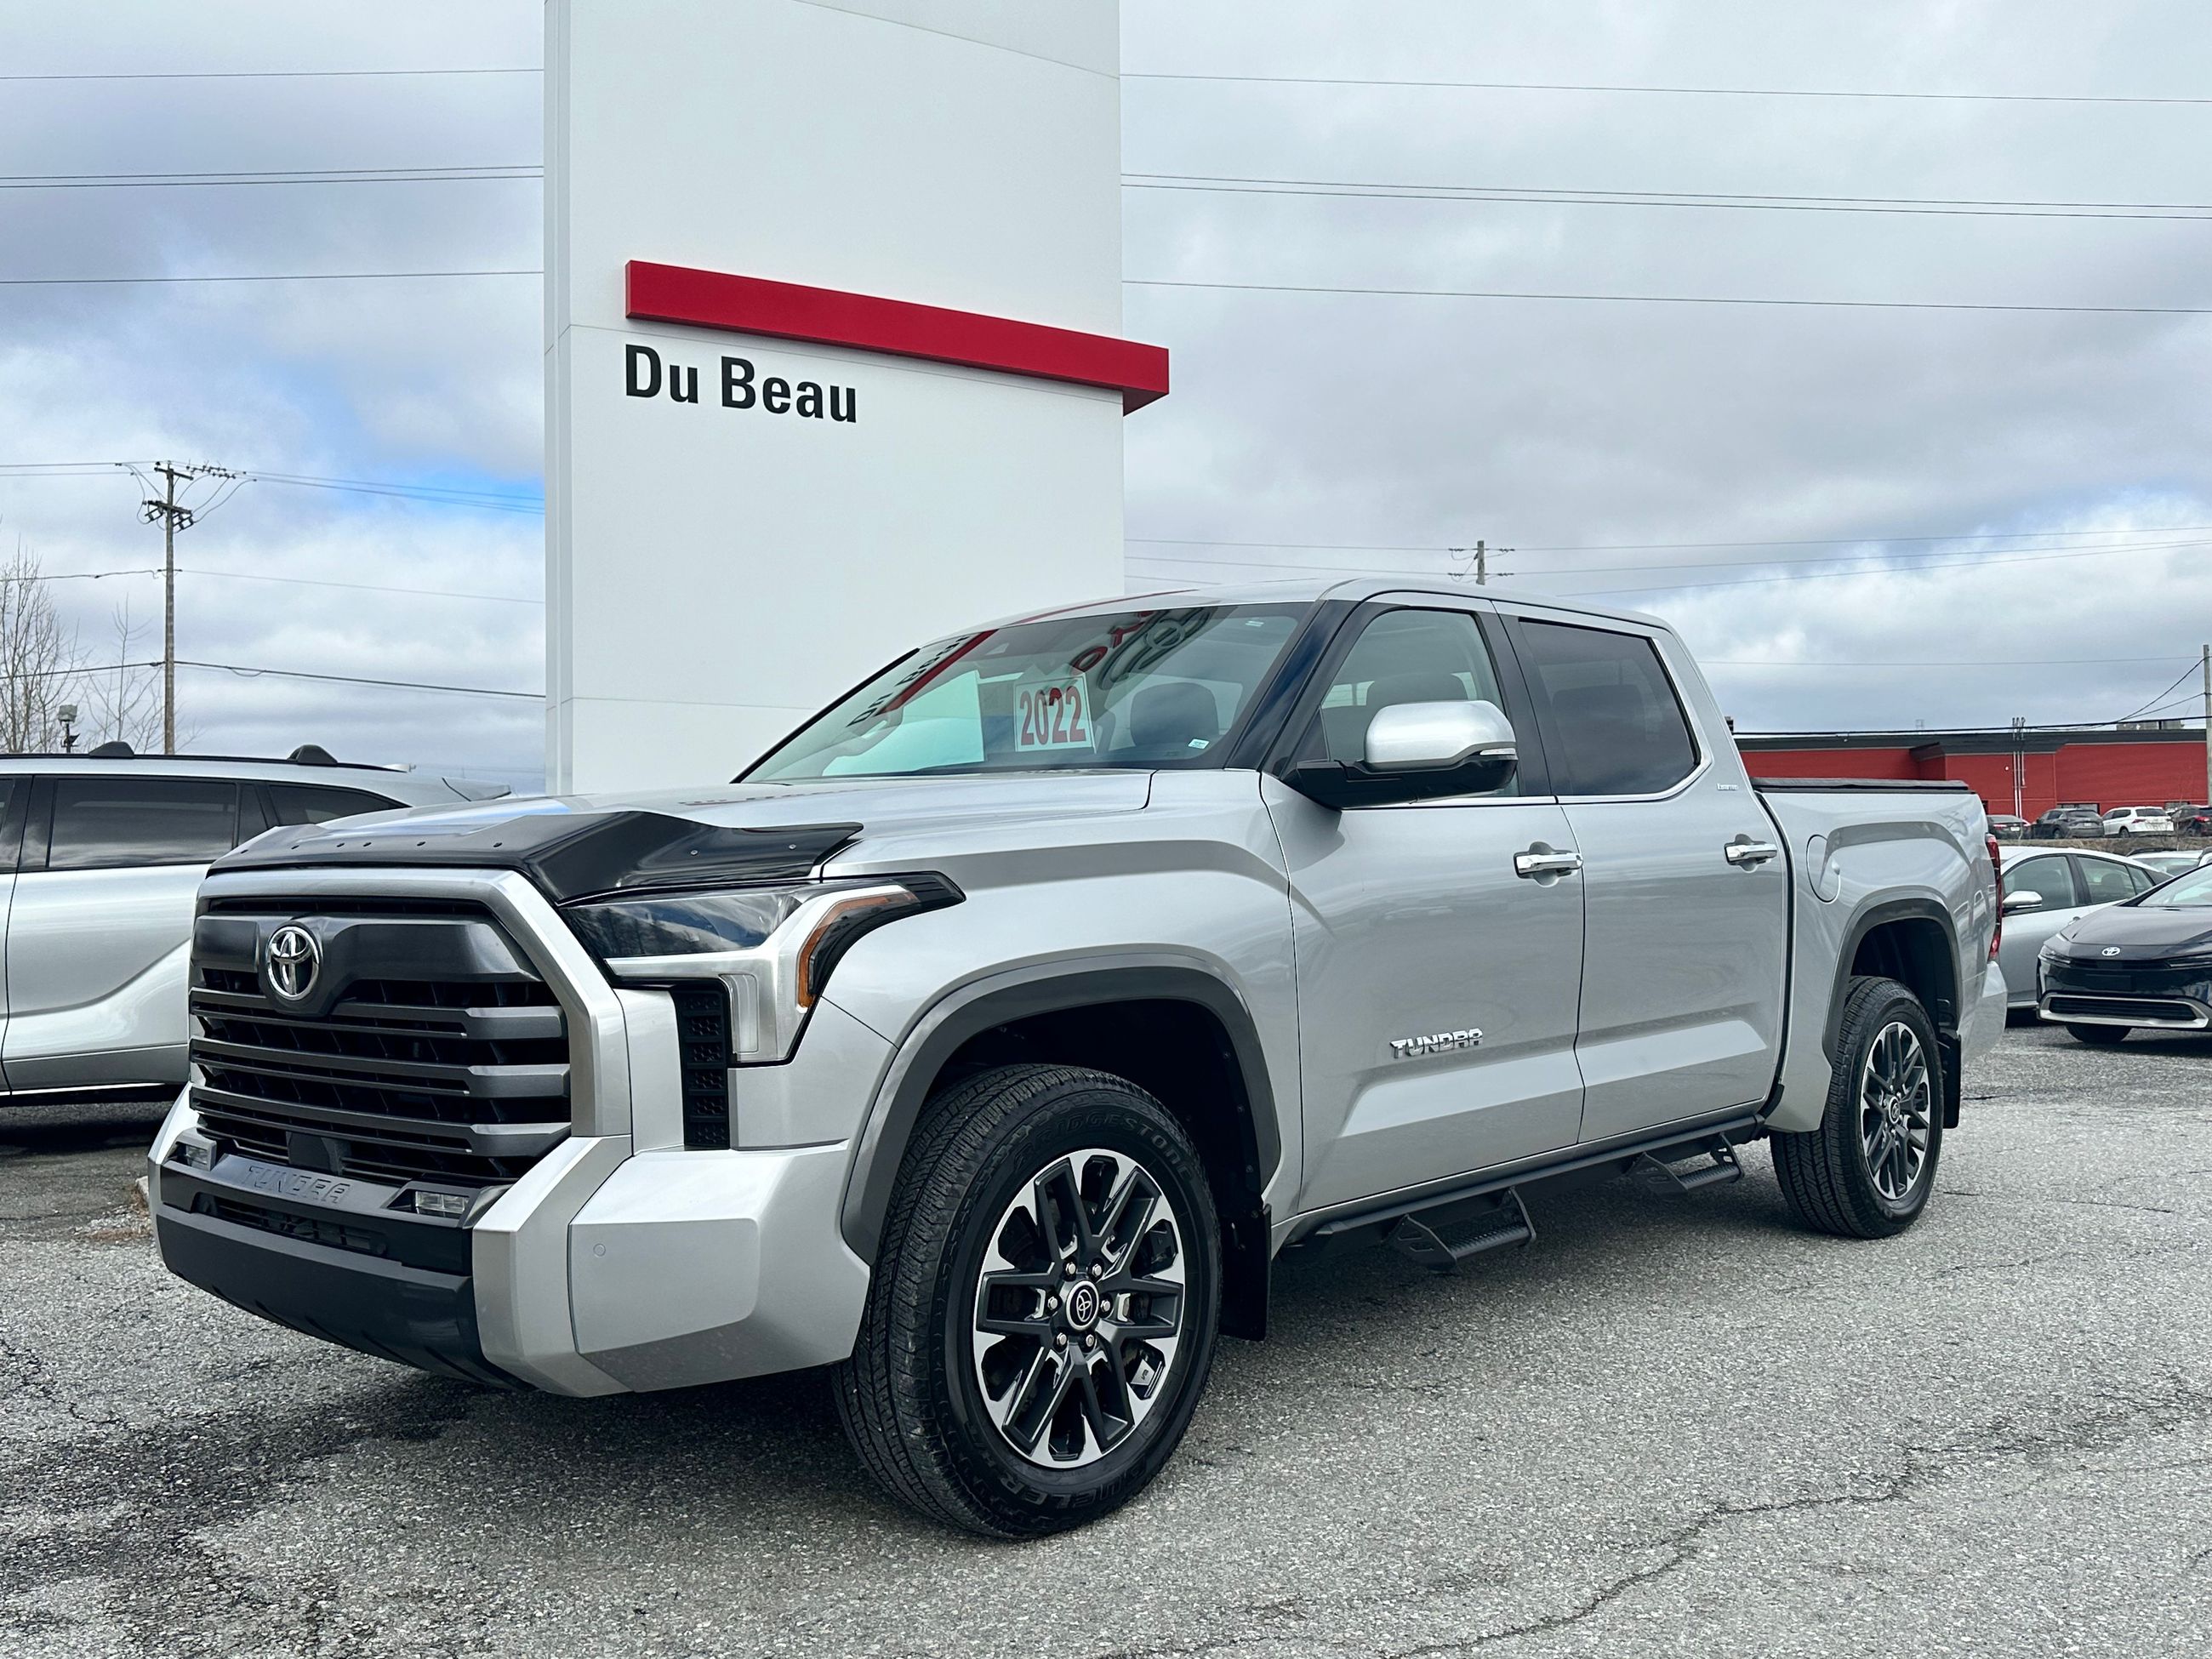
[(2114, 1421)]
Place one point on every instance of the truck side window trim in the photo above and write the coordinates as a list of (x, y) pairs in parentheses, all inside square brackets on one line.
[(1703, 762), (1532, 774)]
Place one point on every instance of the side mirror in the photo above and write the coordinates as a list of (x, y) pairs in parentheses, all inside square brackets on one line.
[(2024, 899), (1416, 752)]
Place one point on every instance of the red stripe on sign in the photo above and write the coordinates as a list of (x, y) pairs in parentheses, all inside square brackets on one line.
[(792, 310)]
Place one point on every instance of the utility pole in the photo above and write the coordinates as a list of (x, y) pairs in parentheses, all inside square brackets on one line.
[(2208, 722), (173, 516), (1480, 551)]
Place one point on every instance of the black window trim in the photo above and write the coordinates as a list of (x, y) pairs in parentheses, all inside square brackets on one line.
[(1515, 619), (1533, 771)]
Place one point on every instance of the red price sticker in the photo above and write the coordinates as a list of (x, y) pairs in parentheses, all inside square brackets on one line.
[(1052, 716)]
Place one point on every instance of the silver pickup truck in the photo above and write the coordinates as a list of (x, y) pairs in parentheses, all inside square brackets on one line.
[(987, 1039)]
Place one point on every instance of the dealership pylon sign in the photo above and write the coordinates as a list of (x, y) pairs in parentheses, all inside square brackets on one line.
[(834, 360)]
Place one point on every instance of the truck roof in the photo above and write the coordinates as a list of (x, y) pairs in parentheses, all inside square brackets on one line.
[(1307, 590)]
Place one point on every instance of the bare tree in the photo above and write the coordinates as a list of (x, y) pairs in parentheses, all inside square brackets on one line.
[(124, 695), (38, 665)]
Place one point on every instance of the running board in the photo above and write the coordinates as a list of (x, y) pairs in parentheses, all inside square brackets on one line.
[(1440, 1245), (1664, 1179), (1618, 1156)]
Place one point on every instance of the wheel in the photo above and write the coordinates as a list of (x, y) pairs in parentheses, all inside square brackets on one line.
[(1042, 1314), (1866, 1171), (2101, 1036)]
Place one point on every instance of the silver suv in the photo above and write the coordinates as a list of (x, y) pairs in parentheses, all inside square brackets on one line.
[(100, 857)]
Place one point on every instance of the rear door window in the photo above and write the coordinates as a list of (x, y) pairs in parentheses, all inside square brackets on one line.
[(1613, 724), (110, 824), (2104, 881), (318, 803)]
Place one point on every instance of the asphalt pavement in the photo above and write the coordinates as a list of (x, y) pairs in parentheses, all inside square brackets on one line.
[(1673, 1425)]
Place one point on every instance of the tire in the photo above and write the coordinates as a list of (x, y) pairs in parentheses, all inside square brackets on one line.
[(1856, 1175), (2099, 1037), (996, 1431)]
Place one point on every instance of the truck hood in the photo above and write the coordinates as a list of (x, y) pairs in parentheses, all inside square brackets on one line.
[(572, 845)]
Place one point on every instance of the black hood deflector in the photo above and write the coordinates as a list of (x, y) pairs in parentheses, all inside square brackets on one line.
[(568, 855)]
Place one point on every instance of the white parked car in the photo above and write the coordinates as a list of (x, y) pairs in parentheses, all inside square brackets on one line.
[(2138, 821), (2170, 865)]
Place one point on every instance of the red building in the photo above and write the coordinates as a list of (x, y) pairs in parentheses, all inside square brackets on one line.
[(2132, 766)]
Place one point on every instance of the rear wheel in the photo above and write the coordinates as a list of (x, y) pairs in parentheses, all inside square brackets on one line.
[(1043, 1314), (1866, 1171), (2099, 1037)]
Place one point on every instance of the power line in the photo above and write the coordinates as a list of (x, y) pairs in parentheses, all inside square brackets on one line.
[(1976, 562), (272, 176), (1347, 190), (2146, 708), (1671, 299), (360, 587), (1860, 565), (354, 679), (451, 495), (1671, 91), (267, 75), (1643, 547), (260, 277)]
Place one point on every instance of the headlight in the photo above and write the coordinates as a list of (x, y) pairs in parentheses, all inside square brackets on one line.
[(772, 948)]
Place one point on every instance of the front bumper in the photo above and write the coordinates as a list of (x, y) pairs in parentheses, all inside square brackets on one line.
[(2126, 992), (598, 1273)]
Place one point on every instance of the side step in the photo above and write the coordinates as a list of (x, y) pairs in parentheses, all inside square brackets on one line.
[(1664, 1179), (1441, 1244)]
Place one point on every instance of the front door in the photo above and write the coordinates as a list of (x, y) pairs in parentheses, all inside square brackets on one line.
[(1436, 986), (1685, 886)]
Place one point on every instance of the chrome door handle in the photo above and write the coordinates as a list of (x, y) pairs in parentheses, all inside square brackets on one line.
[(1745, 853), (1542, 862)]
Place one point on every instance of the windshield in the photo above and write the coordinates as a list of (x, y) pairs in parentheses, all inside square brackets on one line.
[(1132, 689), (2195, 888)]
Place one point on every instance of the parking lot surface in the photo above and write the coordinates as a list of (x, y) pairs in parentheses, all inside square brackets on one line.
[(1673, 1425)]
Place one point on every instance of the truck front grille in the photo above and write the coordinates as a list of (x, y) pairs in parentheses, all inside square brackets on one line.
[(431, 1051)]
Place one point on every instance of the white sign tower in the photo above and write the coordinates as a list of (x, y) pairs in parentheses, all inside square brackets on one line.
[(833, 363)]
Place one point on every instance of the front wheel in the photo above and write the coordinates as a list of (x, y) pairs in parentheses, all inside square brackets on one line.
[(2098, 1037), (1866, 1171), (1042, 1314)]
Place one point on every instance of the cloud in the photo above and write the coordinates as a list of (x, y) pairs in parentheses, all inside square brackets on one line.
[(1564, 429)]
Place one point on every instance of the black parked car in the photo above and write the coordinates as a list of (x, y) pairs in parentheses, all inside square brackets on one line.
[(2145, 962), (2073, 821), (2193, 820), (2005, 827)]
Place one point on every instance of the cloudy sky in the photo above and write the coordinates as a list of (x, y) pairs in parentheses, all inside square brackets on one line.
[(1871, 516)]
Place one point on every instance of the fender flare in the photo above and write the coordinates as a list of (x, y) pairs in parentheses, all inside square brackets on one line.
[(1876, 916), (1021, 994)]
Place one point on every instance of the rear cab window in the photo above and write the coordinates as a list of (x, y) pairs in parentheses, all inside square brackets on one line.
[(1612, 721)]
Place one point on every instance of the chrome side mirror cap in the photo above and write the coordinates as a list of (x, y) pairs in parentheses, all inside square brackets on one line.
[(2025, 899)]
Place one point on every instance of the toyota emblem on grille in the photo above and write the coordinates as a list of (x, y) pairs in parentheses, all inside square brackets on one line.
[(291, 960), (2111, 949)]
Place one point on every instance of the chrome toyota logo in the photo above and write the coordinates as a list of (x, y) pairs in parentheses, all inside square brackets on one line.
[(292, 958), (2111, 950)]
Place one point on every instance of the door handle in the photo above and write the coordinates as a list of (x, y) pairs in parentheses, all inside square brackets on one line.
[(1540, 860), (1745, 853)]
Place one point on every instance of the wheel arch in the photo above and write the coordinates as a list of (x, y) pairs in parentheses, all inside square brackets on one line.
[(1180, 1032), (1914, 942)]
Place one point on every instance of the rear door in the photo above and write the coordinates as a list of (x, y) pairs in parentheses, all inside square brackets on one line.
[(1685, 894), (1437, 980), (100, 926)]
